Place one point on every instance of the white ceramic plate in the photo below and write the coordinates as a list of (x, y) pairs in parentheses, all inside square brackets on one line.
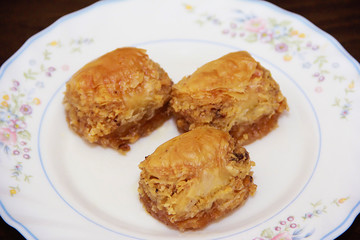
[(55, 186)]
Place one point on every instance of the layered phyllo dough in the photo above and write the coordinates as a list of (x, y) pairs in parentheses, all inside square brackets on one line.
[(117, 98), (195, 178), (233, 93)]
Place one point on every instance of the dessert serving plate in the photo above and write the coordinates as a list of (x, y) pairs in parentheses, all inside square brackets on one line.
[(55, 185)]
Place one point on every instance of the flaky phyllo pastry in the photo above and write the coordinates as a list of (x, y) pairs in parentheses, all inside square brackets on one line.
[(233, 93), (117, 98), (195, 178)]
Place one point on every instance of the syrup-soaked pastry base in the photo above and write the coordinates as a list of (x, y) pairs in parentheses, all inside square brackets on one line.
[(130, 133), (243, 133), (196, 178)]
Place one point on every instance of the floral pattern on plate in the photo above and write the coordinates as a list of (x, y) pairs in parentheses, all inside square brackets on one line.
[(18, 104), (42, 64), (288, 41), (297, 228)]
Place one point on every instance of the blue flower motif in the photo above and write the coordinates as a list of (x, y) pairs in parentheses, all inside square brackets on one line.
[(306, 65), (7, 116), (39, 84), (344, 113), (280, 31), (318, 211), (335, 65)]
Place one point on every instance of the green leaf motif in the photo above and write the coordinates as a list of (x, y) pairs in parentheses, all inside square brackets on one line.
[(339, 78), (337, 102), (24, 135), (30, 74), (321, 60), (27, 178), (267, 233), (316, 204), (285, 23), (251, 38), (77, 49), (46, 54), (272, 21)]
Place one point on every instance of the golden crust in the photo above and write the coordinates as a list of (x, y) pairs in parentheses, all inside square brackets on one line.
[(233, 93), (195, 178), (117, 98)]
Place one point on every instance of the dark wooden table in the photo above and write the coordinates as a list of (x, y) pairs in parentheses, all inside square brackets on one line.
[(20, 19)]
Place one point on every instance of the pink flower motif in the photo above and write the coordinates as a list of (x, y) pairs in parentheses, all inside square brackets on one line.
[(7, 136), (316, 47), (16, 83), (282, 236), (65, 67), (26, 109), (265, 36), (17, 125), (318, 89), (19, 167), (255, 25), (233, 25), (49, 71), (281, 47)]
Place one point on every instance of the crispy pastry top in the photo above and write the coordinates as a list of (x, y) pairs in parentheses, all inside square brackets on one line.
[(230, 72), (122, 76), (190, 155), (232, 90)]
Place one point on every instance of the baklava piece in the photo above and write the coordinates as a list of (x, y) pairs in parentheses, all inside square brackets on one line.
[(233, 93), (117, 98), (195, 178)]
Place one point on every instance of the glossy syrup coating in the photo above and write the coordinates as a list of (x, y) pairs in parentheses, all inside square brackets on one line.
[(195, 178), (117, 98), (233, 93)]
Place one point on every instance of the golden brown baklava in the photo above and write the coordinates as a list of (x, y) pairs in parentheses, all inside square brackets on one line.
[(195, 178), (233, 93), (117, 98)]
